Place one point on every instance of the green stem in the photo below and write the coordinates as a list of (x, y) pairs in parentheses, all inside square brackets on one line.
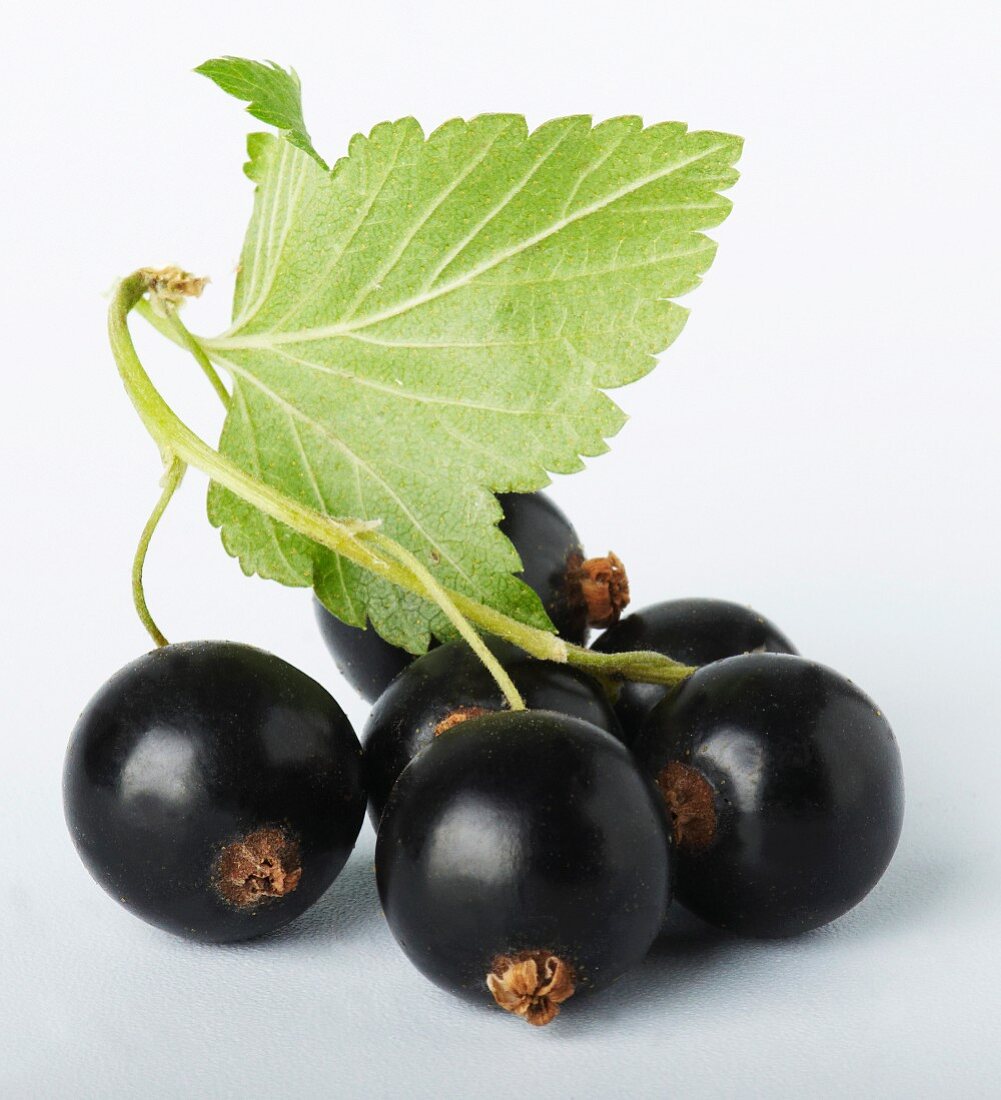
[(642, 664), (171, 479), (354, 540), (440, 596), (188, 341)]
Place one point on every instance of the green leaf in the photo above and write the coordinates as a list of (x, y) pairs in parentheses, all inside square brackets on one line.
[(273, 95), (436, 319)]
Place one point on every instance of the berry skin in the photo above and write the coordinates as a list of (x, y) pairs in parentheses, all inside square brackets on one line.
[(450, 684), (785, 786), (553, 566), (213, 789), (522, 859), (692, 631)]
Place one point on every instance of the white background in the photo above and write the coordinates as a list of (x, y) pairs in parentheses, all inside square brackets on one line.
[(821, 442)]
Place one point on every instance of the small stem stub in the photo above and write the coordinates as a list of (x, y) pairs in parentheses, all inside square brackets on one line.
[(692, 804), (460, 714), (262, 865), (531, 984), (605, 589)]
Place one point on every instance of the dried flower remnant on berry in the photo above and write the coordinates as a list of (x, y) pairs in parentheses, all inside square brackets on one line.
[(605, 588), (264, 864), (460, 714), (692, 805), (532, 985)]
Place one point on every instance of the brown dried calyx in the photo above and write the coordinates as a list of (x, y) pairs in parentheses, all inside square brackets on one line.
[(264, 864), (605, 589), (460, 714), (692, 804), (531, 984)]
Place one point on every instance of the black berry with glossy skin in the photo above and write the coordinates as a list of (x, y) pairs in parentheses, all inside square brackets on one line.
[(692, 631), (573, 591), (523, 859), (213, 789), (785, 785), (451, 684)]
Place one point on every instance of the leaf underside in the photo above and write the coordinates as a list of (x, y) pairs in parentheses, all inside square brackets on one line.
[(435, 319)]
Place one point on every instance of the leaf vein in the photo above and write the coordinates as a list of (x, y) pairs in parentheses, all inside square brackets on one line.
[(456, 250), (407, 238), (269, 202), (320, 282), (590, 170)]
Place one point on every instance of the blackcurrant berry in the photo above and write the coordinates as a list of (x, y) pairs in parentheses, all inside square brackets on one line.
[(523, 858), (574, 592), (785, 787), (213, 790), (451, 684), (692, 631)]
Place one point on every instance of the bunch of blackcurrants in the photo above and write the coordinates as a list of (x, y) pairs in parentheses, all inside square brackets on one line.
[(523, 857)]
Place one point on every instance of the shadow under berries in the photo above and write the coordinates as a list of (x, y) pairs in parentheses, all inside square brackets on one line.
[(690, 953)]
